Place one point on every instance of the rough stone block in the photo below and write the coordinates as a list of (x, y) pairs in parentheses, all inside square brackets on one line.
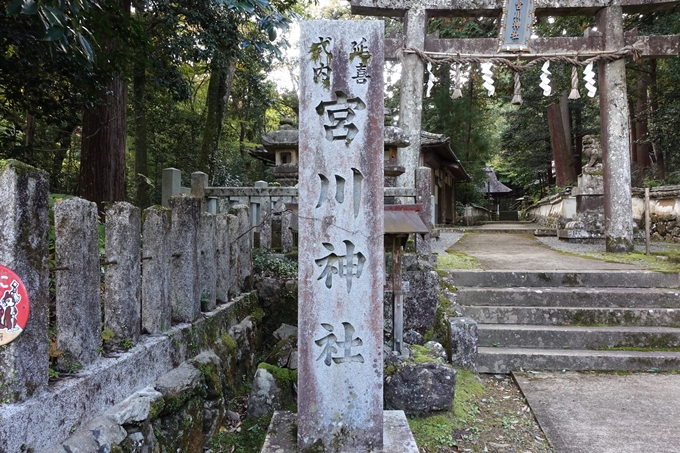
[(266, 395), (185, 287), (135, 408), (156, 313), (24, 226), (464, 341), (183, 379), (418, 388), (422, 298), (79, 311), (122, 296), (208, 263)]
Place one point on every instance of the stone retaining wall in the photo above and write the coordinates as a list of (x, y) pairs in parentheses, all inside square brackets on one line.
[(160, 296)]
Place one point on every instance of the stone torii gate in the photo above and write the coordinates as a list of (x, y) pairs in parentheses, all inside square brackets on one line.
[(610, 36)]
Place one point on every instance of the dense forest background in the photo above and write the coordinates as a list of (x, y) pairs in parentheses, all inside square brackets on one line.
[(104, 95)]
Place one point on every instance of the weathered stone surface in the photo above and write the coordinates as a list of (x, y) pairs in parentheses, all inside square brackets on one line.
[(210, 366), (341, 257), (156, 313), (82, 442), (106, 432), (184, 378), (464, 342), (208, 263), (411, 98), (79, 311), (436, 351), (423, 179), (285, 331), (265, 395), (283, 352), (615, 132), (234, 251), (181, 430), (24, 225), (413, 337), (245, 262), (135, 408), (397, 436), (279, 300), (185, 287), (419, 388), (420, 302), (48, 417), (242, 333), (225, 274), (122, 308)]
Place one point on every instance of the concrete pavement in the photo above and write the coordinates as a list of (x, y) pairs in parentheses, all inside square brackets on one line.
[(606, 413)]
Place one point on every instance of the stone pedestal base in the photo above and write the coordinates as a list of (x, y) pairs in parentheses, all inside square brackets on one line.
[(397, 437)]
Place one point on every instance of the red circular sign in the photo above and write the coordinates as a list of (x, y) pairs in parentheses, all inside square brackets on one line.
[(14, 305)]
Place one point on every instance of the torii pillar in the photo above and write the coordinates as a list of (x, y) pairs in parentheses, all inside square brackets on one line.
[(411, 94), (615, 135)]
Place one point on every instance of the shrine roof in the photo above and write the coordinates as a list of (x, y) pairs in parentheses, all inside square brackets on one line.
[(438, 144), (493, 185)]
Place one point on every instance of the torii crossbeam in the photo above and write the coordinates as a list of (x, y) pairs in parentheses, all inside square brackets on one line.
[(611, 77)]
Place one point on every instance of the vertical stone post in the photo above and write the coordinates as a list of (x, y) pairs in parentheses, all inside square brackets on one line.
[(123, 289), (265, 216), (618, 205), (79, 308), (424, 197), (24, 226), (234, 252), (245, 249), (156, 316), (286, 229), (207, 262), (185, 286), (171, 184), (225, 275), (341, 259), (199, 181), (411, 100)]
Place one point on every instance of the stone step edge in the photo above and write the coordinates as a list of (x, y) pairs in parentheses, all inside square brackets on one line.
[(576, 329), (484, 350), (568, 278), (506, 360)]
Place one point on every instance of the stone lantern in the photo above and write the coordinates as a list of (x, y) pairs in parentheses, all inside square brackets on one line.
[(283, 143), (394, 138)]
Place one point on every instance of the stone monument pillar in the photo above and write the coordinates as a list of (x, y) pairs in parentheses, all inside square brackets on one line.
[(341, 255)]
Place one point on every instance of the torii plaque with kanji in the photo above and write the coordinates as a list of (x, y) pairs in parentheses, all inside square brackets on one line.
[(341, 258)]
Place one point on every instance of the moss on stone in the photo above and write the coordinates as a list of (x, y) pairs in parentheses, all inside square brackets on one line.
[(284, 377), (230, 344), (156, 409), (257, 315)]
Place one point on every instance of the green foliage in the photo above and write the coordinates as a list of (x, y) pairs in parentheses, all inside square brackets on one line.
[(266, 265)]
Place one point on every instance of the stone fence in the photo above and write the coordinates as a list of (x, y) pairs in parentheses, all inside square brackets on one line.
[(664, 208), (272, 209), (164, 269)]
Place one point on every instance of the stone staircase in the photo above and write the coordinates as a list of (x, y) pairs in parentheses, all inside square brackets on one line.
[(591, 320)]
